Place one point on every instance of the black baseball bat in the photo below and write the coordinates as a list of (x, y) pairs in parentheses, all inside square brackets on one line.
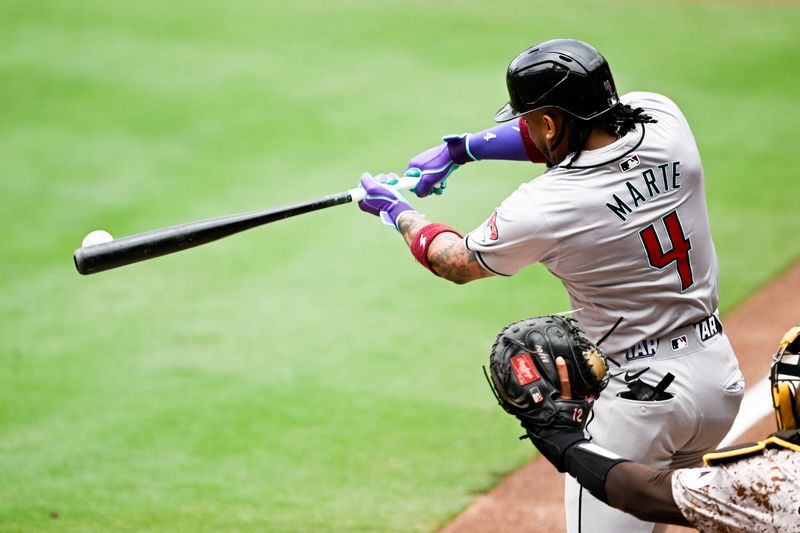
[(143, 246)]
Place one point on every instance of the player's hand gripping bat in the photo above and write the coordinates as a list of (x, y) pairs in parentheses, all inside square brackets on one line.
[(143, 246)]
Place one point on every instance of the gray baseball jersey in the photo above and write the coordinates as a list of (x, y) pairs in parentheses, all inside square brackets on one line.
[(625, 229), (752, 495)]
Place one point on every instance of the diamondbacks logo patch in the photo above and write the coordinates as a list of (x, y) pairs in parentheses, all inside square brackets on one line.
[(524, 369), (490, 232), (631, 162)]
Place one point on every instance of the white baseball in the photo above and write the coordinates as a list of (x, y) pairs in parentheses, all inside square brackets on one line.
[(98, 236)]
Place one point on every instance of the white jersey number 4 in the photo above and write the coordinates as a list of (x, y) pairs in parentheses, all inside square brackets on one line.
[(679, 253)]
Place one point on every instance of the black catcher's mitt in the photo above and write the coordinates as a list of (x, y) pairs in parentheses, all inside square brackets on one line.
[(525, 380)]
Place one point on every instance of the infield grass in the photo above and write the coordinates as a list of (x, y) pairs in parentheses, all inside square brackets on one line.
[(308, 376)]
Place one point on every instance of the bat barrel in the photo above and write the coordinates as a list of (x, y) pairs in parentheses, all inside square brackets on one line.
[(143, 246), (127, 250)]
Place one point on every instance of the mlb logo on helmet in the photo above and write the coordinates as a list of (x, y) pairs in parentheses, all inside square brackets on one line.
[(524, 369), (614, 99)]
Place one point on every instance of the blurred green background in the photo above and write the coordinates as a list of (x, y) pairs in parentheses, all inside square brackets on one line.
[(307, 375)]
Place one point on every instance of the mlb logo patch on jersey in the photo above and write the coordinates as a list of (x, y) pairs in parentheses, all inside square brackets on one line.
[(631, 162), (679, 343), (524, 369)]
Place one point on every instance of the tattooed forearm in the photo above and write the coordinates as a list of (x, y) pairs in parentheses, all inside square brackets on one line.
[(448, 253), (450, 259), (410, 223)]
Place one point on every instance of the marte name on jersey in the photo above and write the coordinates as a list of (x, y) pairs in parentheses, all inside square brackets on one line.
[(651, 182)]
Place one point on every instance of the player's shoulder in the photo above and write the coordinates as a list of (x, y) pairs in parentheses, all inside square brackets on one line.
[(653, 103), (647, 99), (533, 199)]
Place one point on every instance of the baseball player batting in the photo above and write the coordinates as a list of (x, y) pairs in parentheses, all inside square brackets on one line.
[(619, 216), (540, 373)]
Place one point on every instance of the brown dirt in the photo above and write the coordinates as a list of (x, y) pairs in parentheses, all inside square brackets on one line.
[(530, 500)]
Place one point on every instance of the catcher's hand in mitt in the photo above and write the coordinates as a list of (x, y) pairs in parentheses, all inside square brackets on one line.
[(524, 367)]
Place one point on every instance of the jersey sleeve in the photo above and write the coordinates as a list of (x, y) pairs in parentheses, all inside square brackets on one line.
[(760, 493), (689, 486), (514, 236)]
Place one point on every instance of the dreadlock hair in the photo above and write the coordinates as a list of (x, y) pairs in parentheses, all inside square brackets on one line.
[(618, 121)]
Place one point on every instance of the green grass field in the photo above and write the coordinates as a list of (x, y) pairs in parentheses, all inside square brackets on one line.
[(308, 376)]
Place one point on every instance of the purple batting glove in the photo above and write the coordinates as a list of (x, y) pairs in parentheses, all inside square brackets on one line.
[(434, 165), (383, 199)]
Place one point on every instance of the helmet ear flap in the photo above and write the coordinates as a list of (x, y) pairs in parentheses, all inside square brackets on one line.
[(783, 400)]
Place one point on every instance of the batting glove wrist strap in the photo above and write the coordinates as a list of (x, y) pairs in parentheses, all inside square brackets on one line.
[(458, 148), (590, 464), (423, 239)]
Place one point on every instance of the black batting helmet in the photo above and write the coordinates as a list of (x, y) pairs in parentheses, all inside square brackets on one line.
[(563, 73)]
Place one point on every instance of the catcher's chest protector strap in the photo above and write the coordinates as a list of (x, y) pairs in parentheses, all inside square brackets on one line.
[(785, 439)]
